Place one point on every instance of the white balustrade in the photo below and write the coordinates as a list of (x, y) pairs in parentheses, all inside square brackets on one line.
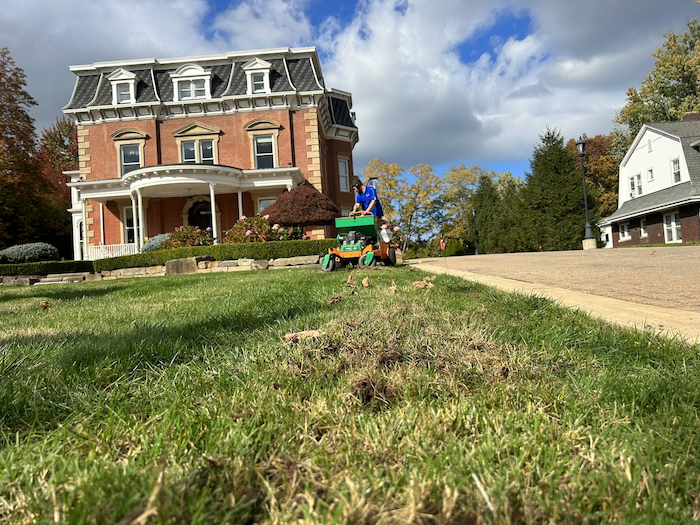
[(110, 250)]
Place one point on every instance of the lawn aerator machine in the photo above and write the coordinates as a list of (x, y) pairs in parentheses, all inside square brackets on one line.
[(361, 242)]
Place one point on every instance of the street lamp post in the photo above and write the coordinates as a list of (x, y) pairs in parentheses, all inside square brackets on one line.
[(589, 242), (476, 235)]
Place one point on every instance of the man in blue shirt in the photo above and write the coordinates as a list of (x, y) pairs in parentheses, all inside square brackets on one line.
[(367, 198)]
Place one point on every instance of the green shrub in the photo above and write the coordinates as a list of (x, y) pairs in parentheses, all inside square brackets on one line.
[(220, 252), (31, 252), (186, 236), (286, 233), (46, 267), (155, 243), (454, 247), (249, 229)]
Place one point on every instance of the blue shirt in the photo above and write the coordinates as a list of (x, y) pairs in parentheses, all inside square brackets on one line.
[(368, 196)]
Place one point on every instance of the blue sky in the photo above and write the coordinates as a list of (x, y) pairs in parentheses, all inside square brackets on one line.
[(443, 82)]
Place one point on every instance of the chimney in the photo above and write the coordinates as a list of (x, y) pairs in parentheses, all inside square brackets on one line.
[(690, 117)]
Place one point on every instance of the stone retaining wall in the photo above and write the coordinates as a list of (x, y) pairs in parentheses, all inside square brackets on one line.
[(188, 265)]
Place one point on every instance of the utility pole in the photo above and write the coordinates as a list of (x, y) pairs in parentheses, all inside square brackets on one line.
[(476, 234)]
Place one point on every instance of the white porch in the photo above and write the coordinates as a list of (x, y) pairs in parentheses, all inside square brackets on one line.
[(181, 180)]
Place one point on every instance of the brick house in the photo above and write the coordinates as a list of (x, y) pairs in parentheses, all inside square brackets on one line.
[(659, 187), (201, 141)]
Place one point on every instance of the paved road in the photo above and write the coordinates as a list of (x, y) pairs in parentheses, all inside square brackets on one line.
[(653, 288)]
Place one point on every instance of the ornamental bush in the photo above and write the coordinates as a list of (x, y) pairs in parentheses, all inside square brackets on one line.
[(31, 252), (187, 236), (286, 233), (155, 243), (249, 229)]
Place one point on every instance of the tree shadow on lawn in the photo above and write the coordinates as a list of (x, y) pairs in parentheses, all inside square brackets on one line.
[(56, 293), (40, 379)]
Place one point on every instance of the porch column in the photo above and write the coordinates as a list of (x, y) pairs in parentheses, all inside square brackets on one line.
[(102, 224), (212, 203), (240, 203), (133, 219), (84, 227), (141, 225)]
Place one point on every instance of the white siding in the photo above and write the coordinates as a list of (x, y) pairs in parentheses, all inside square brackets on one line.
[(664, 150)]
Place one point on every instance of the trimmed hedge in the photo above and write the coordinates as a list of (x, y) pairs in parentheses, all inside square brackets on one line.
[(220, 252), (46, 267)]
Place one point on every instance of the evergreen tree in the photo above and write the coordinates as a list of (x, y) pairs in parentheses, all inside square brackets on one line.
[(507, 223), (552, 199), (486, 203)]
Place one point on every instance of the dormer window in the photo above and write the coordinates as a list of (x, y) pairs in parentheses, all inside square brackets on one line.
[(257, 74), (191, 82), (188, 89), (258, 82), (123, 93), (123, 86)]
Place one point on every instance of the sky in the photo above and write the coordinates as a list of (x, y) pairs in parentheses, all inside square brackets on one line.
[(441, 82)]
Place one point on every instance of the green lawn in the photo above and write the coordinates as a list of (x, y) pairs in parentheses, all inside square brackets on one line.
[(176, 400)]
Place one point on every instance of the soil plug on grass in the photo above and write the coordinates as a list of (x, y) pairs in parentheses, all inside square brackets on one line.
[(45, 306), (393, 288), (334, 299), (295, 337), (365, 282)]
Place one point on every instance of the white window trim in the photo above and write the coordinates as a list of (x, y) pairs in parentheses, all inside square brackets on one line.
[(626, 227), (127, 214), (122, 76), (643, 228), (635, 185), (260, 199), (650, 175), (257, 66), (121, 160), (273, 141), (674, 228), (190, 73), (673, 173), (347, 175)]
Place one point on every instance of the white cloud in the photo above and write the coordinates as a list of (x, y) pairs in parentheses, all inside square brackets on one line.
[(416, 98), (258, 24)]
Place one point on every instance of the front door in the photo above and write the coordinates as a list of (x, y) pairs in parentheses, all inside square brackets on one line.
[(200, 215)]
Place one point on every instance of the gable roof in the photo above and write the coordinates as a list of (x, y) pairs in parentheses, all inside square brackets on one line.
[(688, 134)]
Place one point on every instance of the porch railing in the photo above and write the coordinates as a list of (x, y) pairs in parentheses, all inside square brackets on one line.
[(110, 250)]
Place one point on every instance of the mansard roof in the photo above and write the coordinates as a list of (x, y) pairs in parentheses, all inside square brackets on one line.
[(291, 70)]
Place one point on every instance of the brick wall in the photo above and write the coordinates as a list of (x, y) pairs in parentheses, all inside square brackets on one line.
[(300, 143), (690, 224), (690, 228)]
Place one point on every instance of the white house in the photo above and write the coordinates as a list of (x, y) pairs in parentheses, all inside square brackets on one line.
[(659, 187)]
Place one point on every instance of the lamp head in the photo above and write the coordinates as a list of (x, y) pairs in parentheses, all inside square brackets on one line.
[(581, 147)]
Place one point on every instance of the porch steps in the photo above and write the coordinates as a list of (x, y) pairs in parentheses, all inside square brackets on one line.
[(62, 278)]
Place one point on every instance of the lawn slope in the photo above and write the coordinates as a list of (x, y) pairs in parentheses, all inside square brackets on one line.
[(177, 400)]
